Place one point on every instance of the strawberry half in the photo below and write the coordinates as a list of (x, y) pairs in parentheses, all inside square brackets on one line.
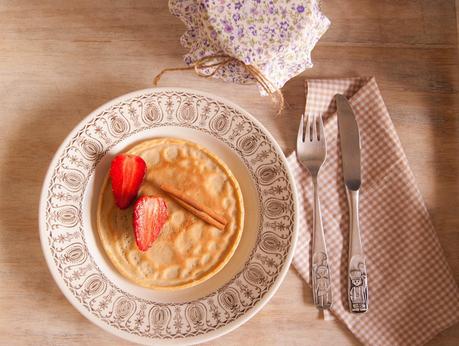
[(127, 173), (150, 215)]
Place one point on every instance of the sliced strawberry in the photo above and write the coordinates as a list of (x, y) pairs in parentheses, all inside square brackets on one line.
[(127, 173), (150, 215)]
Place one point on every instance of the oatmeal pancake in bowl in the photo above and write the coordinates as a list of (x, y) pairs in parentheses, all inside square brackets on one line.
[(189, 249)]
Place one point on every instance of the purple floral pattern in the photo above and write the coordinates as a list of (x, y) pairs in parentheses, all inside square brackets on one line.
[(276, 36)]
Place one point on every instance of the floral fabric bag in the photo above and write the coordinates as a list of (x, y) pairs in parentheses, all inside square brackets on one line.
[(243, 41)]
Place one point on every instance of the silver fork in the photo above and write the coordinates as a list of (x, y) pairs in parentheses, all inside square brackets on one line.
[(311, 152)]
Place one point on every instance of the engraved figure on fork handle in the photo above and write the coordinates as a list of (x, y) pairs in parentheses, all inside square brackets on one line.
[(321, 280)]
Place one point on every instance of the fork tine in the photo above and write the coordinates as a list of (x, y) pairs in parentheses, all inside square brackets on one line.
[(321, 128), (300, 137), (314, 127), (307, 128)]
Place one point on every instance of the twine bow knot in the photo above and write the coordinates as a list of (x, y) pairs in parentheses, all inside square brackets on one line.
[(216, 62)]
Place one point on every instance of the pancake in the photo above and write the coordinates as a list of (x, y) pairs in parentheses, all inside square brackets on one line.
[(188, 250)]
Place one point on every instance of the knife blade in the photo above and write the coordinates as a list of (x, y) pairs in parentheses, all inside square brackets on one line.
[(350, 143), (350, 152)]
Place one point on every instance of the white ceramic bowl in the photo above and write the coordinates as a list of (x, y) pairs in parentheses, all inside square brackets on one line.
[(77, 260)]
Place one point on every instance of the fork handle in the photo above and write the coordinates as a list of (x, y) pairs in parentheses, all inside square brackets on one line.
[(357, 270), (321, 283)]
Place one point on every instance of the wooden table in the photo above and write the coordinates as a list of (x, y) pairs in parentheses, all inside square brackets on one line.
[(59, 60)]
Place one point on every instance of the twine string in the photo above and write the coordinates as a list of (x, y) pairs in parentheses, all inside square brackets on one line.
[(208, 62)]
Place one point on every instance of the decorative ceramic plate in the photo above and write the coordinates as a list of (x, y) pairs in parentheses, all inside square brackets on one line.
[(77, 260)]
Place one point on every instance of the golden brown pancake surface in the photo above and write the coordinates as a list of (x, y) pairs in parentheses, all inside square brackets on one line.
[(188, 250)]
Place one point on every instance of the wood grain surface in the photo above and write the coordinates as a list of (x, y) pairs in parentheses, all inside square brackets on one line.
[(59, 60)]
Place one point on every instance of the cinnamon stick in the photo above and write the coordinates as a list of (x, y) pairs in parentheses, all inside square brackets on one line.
[(195, 207), (203, 216)]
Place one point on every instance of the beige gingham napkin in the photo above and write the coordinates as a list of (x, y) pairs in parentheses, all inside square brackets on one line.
[(412, 293)]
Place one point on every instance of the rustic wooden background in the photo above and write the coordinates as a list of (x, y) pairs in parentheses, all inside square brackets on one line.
[(59, 60)]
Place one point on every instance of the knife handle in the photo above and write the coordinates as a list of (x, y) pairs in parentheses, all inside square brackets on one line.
[(321, 283), (357, 270)]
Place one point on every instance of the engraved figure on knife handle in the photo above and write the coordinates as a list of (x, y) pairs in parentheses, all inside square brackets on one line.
[(358, 279)]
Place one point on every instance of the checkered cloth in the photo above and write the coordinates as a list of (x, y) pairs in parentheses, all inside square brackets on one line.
[(412, 293)]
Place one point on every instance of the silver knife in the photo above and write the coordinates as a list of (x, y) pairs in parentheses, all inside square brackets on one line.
[(350, 152)]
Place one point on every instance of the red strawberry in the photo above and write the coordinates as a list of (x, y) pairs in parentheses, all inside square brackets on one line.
[(127, 173), (150, 215)]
